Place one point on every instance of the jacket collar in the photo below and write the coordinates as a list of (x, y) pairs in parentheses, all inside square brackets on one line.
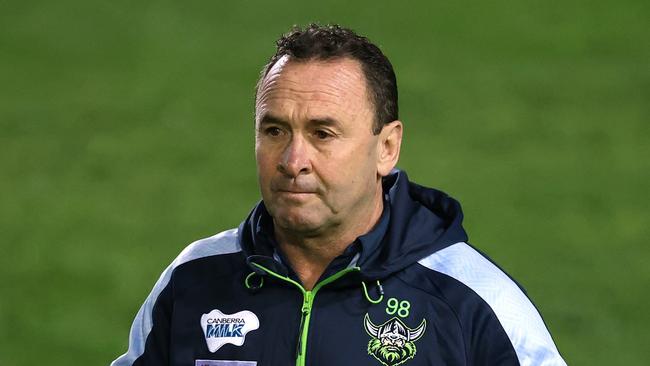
[(415, 223)]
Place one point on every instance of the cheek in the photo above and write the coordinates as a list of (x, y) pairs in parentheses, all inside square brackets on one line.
[(354, 162), (348, 176)]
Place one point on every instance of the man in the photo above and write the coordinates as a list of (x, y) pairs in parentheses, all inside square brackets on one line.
[(344, 261)]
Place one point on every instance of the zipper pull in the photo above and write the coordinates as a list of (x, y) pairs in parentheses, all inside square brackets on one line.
[(306, 304)]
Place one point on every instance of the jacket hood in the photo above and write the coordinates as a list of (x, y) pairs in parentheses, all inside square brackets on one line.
[(417, 221)]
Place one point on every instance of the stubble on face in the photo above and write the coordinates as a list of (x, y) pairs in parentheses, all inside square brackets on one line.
[(319, 173)]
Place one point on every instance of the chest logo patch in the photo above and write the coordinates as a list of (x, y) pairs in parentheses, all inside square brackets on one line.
[(220, 328), (393, 342)]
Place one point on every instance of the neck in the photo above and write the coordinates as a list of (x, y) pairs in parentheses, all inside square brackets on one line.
[(310, 254)]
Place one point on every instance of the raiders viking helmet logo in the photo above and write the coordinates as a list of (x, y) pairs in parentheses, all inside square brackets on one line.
[(392, 343)]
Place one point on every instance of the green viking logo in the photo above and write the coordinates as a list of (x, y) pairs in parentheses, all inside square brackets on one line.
[(392, 343)]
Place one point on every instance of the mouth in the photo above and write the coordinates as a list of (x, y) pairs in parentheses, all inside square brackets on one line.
[(293, 190), (295, 194)]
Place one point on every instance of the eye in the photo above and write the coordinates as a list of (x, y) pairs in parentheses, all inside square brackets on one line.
[(322, 134), (273, 131)]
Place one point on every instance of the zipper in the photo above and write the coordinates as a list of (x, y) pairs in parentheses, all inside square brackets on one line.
[(307, 303), (304, 319)]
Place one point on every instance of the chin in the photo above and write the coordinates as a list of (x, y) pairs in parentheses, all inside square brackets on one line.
[(298, 222)]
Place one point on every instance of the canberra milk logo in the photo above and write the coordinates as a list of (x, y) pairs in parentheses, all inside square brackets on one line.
[(220, 328)]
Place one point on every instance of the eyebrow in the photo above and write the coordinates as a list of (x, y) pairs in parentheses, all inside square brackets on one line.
[(319, 121), (270, 119), (324, 121)]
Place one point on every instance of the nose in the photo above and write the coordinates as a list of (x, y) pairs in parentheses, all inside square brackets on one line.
[(295, 158)]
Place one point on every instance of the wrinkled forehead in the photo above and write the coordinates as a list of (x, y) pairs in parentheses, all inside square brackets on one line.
[(339, 81)]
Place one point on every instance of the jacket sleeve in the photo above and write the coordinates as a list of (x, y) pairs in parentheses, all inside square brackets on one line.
[(150, 331), (502, 325), (149, 341), (494, 341)]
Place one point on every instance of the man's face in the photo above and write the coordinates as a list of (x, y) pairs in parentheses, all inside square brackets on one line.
[(315, 150)]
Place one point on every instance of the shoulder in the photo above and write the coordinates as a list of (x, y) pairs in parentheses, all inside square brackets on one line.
[(466, 265), (223, 243), (213, 247), (156, 307), (226, 242), (469, 272), (470, 276)]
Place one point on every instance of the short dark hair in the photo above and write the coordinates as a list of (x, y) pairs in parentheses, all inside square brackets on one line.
[(325, 42)]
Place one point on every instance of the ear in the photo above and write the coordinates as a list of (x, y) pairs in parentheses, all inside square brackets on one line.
[(388, 147)]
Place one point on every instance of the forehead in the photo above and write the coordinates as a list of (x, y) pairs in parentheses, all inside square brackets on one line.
[(336, 85)]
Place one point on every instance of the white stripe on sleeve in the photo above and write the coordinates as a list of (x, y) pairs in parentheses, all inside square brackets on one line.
[(222, 243), (517, 315)]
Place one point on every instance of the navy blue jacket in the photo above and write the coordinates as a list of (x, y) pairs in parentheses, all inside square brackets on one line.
[(410, 292)]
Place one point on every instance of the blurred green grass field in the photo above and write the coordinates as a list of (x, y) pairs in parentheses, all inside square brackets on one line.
[(126, 133)]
